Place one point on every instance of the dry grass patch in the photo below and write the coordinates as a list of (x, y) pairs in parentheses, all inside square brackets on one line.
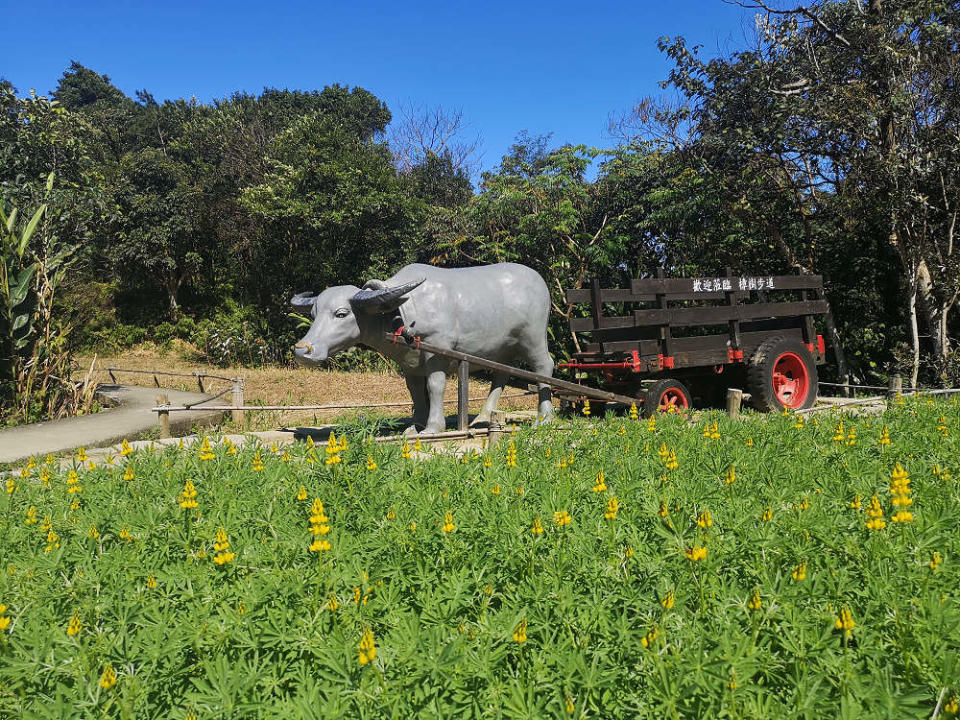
[(287, 386)]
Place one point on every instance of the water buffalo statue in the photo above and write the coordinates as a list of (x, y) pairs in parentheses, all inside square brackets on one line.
[(498, 312)]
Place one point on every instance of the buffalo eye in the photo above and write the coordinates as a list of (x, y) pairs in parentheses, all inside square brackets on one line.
[(341, 313)]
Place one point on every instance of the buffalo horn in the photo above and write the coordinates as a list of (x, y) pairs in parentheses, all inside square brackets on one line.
[(382, 299), (303, 299)]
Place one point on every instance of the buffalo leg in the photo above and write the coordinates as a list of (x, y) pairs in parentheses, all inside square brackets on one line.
[(542, 364), (496, 388), (436, 382), (417, 385)]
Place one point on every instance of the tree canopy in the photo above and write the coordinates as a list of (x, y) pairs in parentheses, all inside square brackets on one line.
[(831, 145)]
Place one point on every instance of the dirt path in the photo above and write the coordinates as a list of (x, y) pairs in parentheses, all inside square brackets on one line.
[(132, 417)]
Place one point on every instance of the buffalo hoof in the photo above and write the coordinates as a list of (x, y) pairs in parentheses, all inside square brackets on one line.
[(544, 419), (481, 419), (411, 431)]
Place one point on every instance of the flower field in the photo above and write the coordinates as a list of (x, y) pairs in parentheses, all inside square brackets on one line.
[(622, 568)]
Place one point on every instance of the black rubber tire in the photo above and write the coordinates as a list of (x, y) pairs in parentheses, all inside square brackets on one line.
[(651, 398), (760, 374)]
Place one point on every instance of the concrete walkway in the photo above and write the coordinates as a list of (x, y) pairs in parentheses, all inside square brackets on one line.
[(128, 419)]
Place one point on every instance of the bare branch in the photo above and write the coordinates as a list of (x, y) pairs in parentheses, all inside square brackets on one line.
[(420, 130), (799, 10)]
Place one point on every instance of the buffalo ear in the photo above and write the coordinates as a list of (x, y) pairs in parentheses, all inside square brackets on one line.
[(376, 297), (303, 300)]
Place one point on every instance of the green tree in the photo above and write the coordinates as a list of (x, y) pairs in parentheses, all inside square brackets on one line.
[(538, 208)]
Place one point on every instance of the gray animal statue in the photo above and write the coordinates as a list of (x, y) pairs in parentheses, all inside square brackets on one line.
[(498, 312)]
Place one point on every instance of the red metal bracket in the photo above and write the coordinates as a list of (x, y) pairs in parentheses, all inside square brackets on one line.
[(821, 346), (734, 355), (664, 362), (635, 361), (398, 333)]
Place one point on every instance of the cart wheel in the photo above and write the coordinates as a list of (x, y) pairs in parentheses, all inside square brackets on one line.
[(782, 374), (666, 395)]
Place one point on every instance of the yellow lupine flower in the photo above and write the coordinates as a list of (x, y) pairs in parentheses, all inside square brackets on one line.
[(845, 622), (371, 465), (537, 528), (671, 463), (884, 436), (561, 518), (634, 414), (599, 484), (368, 648), (333, 603), (875, 512), (205, 452), (495, 490), (668, 600), (151, 582), (31, 518), (125, 448), (731, 477), (448, 525), (613, 507), (75, 625), (109, 677), (222, 548), (696, 553), (128, 473), (405, 451), (319, 545), (302, 493), (755, 602), (838, 434), (520, 633), (651, 636), (767, 515), (936, 561), (187, 498), (800, 571), (704, 519)]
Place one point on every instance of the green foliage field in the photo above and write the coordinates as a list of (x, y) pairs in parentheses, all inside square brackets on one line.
[(652, 591)]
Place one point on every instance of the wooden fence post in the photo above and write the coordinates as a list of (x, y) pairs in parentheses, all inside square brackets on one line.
[(493, 434), (238, 415), (896, 385), (734, 399), (163, 416), (463, 394)]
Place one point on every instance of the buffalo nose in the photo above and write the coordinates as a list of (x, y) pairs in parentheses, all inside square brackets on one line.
[(303, 348)]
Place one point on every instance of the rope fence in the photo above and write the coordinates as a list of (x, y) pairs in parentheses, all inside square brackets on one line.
[(155, 373)]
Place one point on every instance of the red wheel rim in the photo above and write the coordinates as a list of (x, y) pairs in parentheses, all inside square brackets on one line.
[(791, 381), (673, 398)]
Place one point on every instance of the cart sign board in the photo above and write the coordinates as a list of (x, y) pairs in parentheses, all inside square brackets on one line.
[(722, 284)]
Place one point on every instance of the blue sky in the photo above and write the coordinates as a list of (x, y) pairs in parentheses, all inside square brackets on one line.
[(558, 67)]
